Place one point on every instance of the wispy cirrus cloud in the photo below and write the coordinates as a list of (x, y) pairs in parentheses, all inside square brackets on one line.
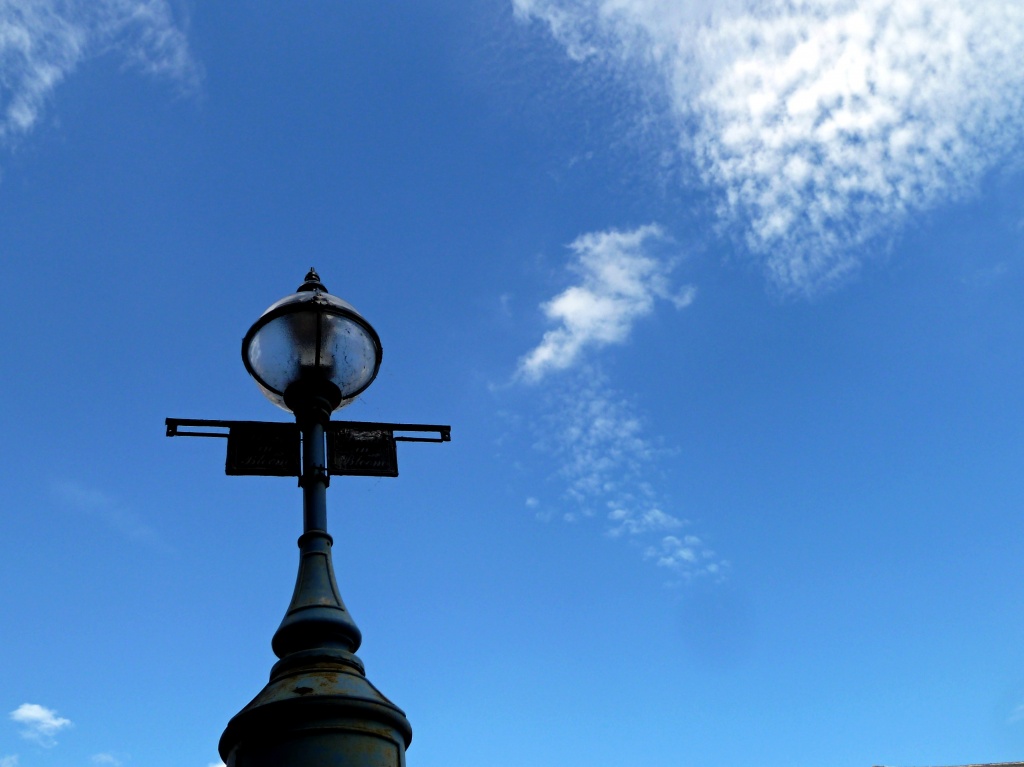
[(43, 41), (9, 761), (822, 124), (39, 724), (620, 278), (109, 511), (106, 758)]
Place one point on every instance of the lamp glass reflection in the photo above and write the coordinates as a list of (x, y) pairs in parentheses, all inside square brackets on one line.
[(312, 344)]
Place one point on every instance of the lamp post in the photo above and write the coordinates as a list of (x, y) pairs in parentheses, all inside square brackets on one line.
[(311, 354)]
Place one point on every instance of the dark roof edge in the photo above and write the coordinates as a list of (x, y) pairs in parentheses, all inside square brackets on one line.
[(984, 764)]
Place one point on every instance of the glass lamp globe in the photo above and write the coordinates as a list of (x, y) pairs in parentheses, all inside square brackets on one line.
[(312, 344)]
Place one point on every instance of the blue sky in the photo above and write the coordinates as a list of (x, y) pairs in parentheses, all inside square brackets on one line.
[(722, 301)]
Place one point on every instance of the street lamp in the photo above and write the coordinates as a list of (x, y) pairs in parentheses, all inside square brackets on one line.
[(312, 347), (311, 354)]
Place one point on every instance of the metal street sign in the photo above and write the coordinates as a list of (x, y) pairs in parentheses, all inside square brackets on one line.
[(272, 449), (362, 452), (263, 449)]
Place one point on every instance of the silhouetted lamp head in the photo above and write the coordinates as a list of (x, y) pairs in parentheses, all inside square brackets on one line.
[(312, 347)]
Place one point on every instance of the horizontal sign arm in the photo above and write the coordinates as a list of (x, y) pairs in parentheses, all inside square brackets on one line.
[(175, 428), (271, 448)]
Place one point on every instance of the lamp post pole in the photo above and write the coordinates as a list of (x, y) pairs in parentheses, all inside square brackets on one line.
[(317, 616), (314, 474), (311, 354)]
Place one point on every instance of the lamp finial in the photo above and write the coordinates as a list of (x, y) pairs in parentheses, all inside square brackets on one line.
[(312, 282)]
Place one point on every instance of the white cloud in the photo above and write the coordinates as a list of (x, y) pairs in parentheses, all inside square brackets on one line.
[(9, 761), (620, 279), (43, 41), (106, 759), (823, 124), (39, 724), (216, 764), (594, 432)]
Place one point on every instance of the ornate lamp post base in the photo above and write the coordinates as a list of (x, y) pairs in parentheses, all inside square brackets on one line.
[(318, 708)]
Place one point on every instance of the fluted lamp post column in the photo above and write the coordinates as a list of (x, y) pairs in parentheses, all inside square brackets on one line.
[(312, 353)]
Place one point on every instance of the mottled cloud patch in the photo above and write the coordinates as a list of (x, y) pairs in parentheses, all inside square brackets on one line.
[(620, 280), (822, 124), (687, 554), (609, 468), (9, 761), (626, 521), (39, 724), (599, 440), (42, 42)]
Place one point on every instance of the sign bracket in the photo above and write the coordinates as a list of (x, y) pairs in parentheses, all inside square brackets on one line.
[(272, 448)]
